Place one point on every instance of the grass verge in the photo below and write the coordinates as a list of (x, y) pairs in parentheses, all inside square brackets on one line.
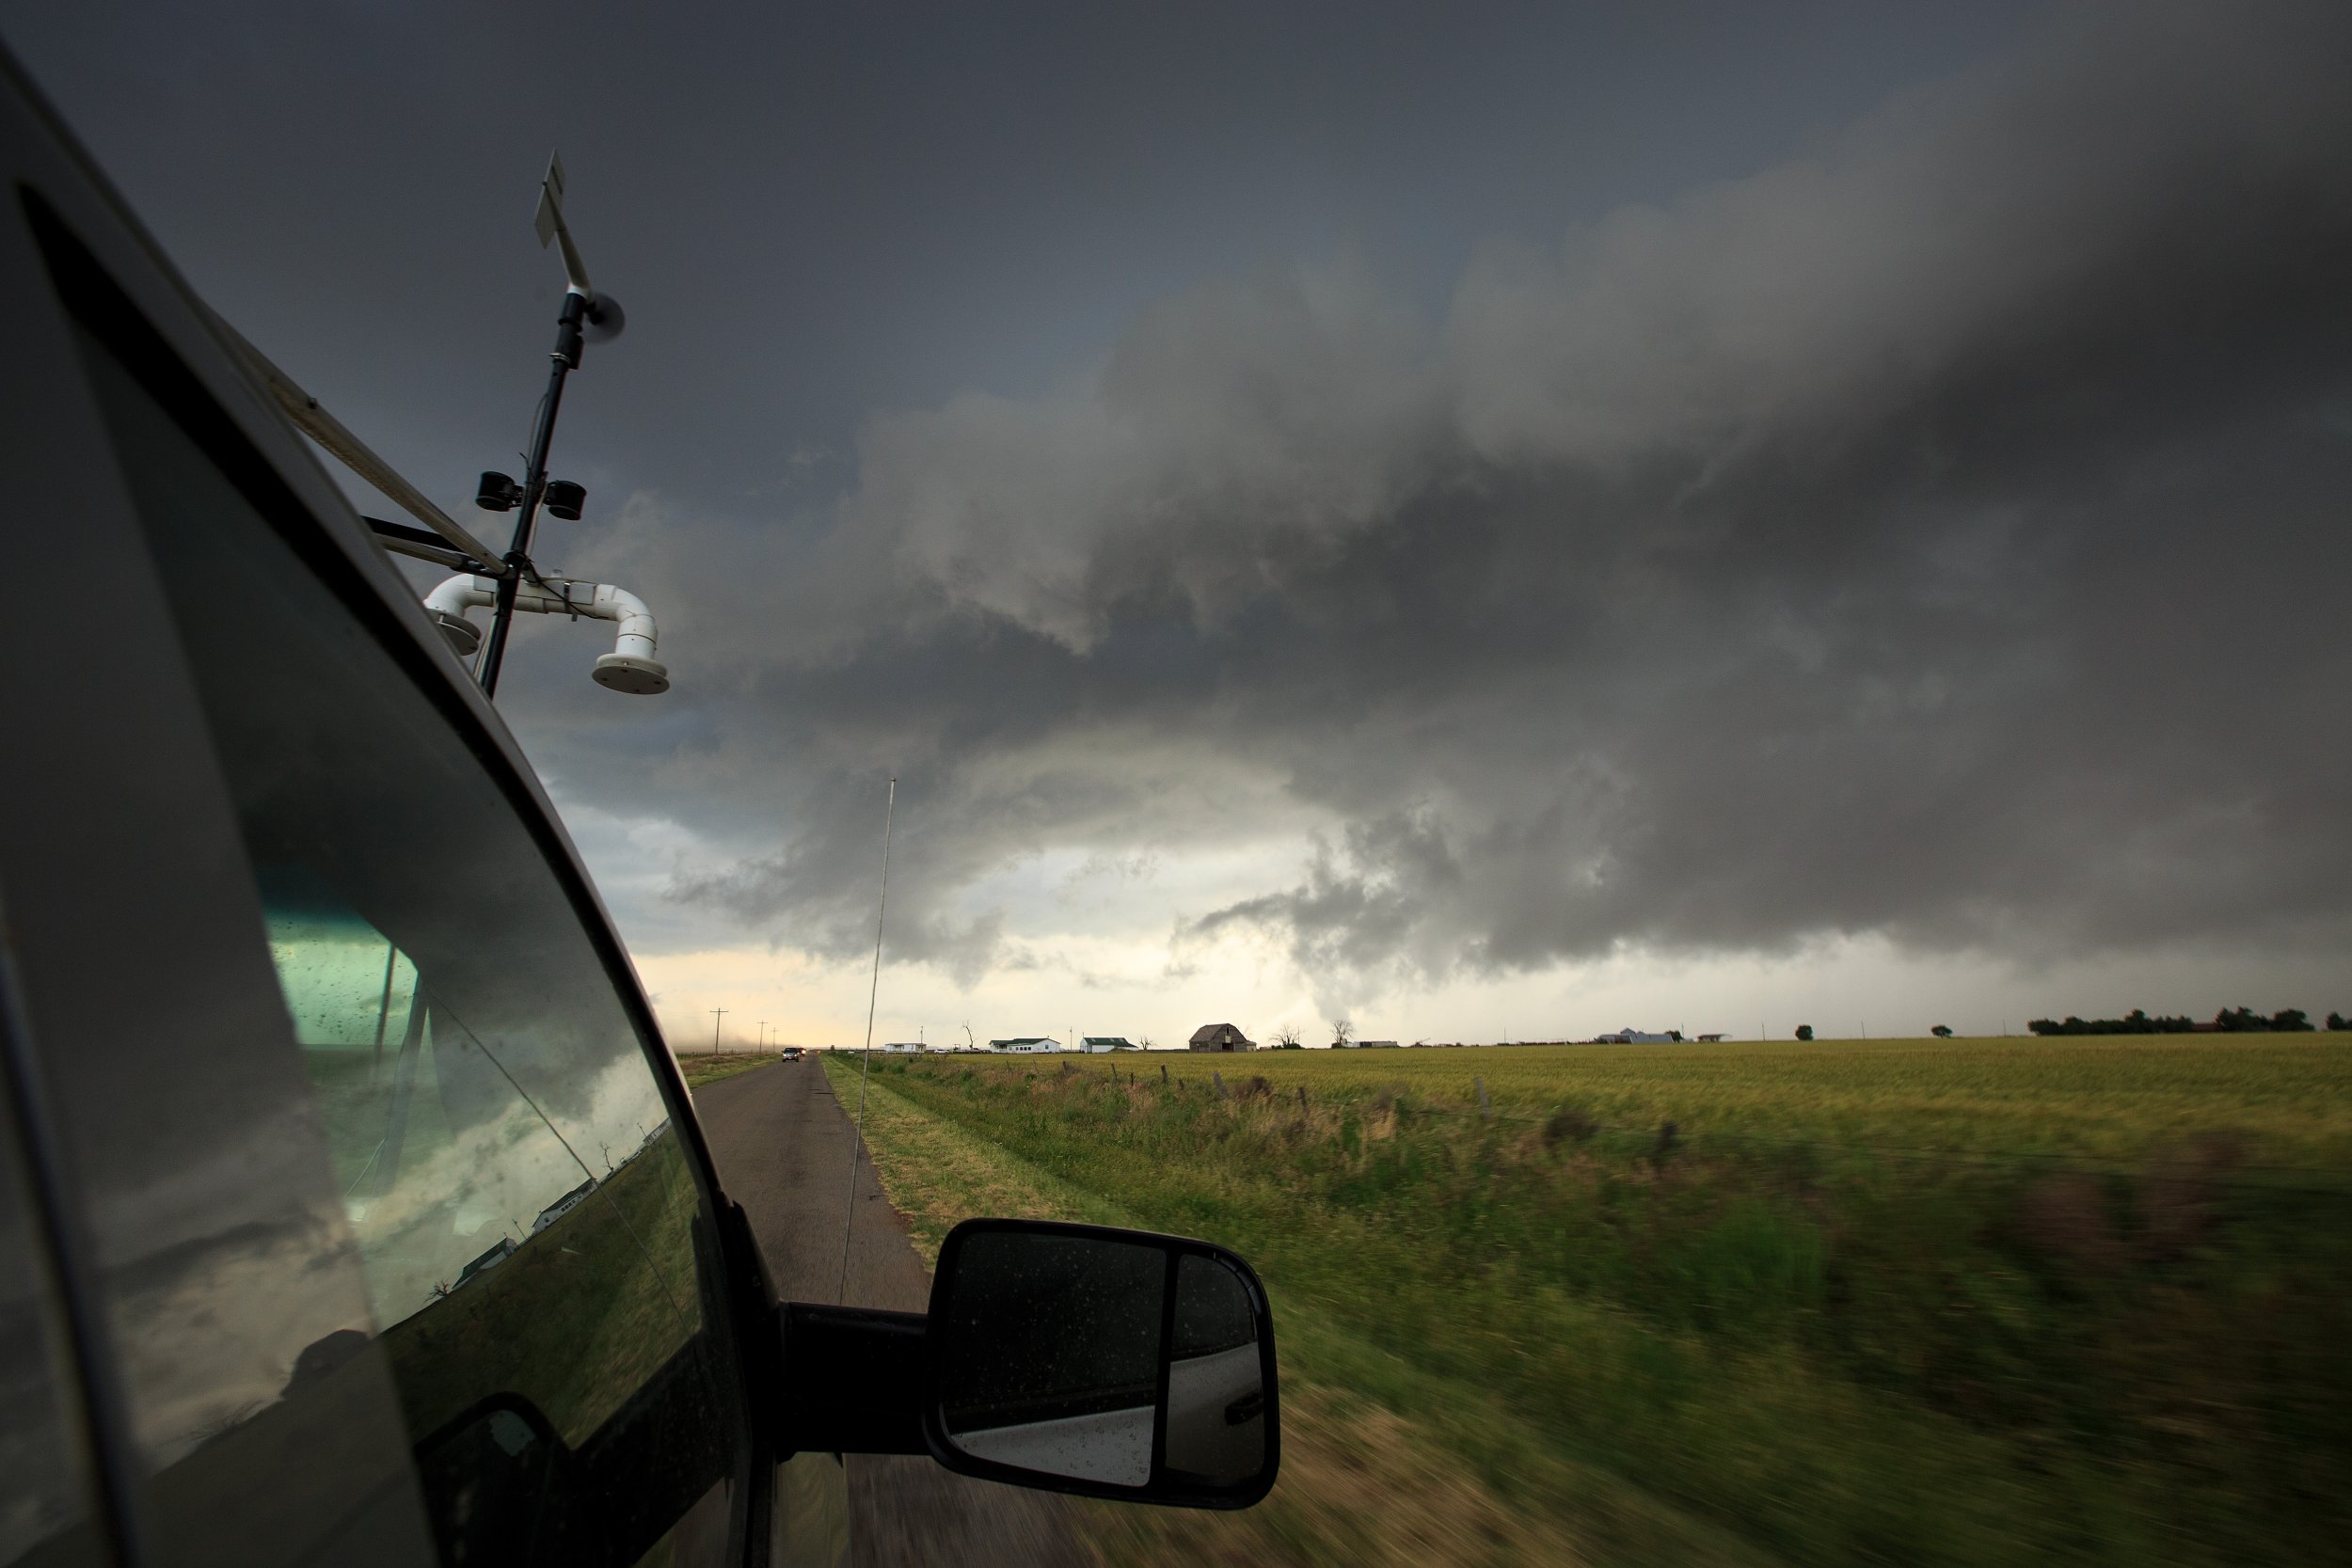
[(1363, 1482), (710, 1067)]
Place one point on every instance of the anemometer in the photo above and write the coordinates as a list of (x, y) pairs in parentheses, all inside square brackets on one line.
[(503, 582)]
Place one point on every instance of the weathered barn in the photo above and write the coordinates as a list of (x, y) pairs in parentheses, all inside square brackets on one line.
[(1221, 1037)]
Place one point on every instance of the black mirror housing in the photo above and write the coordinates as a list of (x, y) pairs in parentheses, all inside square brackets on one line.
[(1115, 1364)]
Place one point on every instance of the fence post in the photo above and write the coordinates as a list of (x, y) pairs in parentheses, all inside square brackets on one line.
[(1162, 1075), (1302, 1100), (1485, 1106), (1220, 1081)]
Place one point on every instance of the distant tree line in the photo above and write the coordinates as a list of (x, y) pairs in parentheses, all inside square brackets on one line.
[(2229, 1021)]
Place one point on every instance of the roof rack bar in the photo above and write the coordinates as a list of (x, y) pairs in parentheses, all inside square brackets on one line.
[(421, 545), (329, 432)]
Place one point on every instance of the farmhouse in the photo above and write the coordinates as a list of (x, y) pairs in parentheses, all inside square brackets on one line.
[(1027, 1044), (1094, 1045), (563, 1206), (1221, 1037), (1377, 1045), (905, 1048), (1636, 1037)]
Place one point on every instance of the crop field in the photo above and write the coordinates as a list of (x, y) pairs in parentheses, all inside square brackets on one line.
[(1937, 1302)]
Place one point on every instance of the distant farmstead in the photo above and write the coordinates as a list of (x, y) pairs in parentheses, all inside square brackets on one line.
[(1026, 1045), (1637, 1037), (1221, 1037), (1097, 1044)]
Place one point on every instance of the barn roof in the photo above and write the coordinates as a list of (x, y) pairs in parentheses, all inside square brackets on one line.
[(1208, 1032)]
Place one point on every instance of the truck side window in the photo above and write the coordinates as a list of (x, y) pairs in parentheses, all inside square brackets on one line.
[(537, 1252)]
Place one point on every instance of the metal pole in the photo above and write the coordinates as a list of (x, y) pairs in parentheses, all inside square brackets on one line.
[(717, 1016), (865, 1060), (565, 358), (384, 1008)]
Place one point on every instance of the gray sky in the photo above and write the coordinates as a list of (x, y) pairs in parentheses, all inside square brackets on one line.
[(1483, 519)]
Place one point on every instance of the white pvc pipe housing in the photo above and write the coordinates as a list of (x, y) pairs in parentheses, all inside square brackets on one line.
[(630, 666)]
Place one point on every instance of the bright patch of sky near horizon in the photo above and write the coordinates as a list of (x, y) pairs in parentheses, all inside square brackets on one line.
[(1093, 962), (1057, 404)]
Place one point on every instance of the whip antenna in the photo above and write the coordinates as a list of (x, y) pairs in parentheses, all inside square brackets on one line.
[(865, 1058)]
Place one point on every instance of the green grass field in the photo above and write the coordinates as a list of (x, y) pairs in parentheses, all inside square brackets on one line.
[(1937, 1302)]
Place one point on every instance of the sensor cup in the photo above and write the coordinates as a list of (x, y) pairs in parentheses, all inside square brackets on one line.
[(637, 677)]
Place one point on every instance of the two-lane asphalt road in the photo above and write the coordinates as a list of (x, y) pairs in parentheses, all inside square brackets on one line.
[(783, 1146)]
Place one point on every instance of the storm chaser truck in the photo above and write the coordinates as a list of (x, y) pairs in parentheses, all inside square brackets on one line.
[(352, 1210)]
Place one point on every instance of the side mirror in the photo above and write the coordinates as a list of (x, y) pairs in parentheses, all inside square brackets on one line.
[(1112, 1363)]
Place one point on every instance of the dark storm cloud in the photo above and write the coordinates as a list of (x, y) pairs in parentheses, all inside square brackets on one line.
[(1935, 536), (1932, 532)]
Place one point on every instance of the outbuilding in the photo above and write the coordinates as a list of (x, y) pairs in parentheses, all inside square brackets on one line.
[(1036, 1045), (1094, 1045), (1221, 1037)]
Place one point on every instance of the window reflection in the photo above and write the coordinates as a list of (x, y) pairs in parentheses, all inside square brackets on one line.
[(466, 1195), (573, 1217)]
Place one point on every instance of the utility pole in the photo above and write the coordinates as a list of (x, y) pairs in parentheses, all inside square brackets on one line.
[(719, 1016)]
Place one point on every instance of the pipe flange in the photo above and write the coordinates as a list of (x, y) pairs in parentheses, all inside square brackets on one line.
[(638, 678)]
